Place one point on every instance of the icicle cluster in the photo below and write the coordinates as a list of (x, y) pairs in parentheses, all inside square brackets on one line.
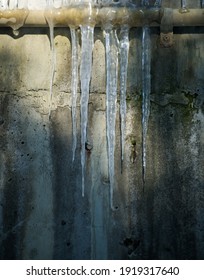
[(117, 49), (13, 4), (87, 38)]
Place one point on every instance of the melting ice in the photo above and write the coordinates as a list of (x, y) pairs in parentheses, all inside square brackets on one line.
[(87, 36), (74, 85), (111, 47), (183, 4), (146, 89), (124, 50)]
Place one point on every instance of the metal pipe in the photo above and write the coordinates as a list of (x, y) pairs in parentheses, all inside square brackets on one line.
[(192, 17), (83, 15)]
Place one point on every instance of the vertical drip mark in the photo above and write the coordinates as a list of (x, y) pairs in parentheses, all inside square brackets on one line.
[(53, 63), (74, 86), (124, 51), (111, 46), (87, 33), (50, 21), (146, 89)]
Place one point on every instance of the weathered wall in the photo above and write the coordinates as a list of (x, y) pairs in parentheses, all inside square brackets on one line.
[(42, 213)]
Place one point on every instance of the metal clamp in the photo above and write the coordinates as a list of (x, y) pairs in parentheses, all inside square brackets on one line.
[(166, 29)]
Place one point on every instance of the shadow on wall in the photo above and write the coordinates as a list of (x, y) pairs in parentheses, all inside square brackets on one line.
[(42, 214)]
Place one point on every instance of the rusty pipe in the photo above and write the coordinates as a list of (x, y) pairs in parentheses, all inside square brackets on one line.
[(133, 17)]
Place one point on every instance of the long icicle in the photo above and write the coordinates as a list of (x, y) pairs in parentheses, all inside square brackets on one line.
[(146, 89), (74, 86), (87, 33), (124, 51), (111, 44)]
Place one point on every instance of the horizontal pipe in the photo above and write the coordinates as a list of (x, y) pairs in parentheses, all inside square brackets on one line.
[(75, 16), (191, 17)]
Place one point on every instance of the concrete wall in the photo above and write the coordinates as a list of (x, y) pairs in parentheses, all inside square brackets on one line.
[(42, 213)]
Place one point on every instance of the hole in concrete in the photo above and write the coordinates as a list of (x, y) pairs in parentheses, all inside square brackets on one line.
[(63, 223), (131, 244)]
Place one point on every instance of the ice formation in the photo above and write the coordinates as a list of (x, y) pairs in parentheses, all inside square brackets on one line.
[(146, 89), (124, 51), (87, 37), (111, 47), (183, 4), (53, 54), (116, 60), (74, 87)]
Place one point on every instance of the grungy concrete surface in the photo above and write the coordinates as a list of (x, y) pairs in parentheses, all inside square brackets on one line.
[(42, 213)]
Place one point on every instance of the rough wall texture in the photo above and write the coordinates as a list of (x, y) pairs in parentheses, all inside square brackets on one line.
[(42, 213)]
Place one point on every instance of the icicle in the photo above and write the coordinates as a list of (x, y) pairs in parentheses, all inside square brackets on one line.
[(146, 89), (183, 4), (87, 33), (124, 50), (111, 43), (74, 84)]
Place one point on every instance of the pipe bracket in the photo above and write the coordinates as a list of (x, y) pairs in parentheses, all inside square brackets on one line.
[(166, 29)]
